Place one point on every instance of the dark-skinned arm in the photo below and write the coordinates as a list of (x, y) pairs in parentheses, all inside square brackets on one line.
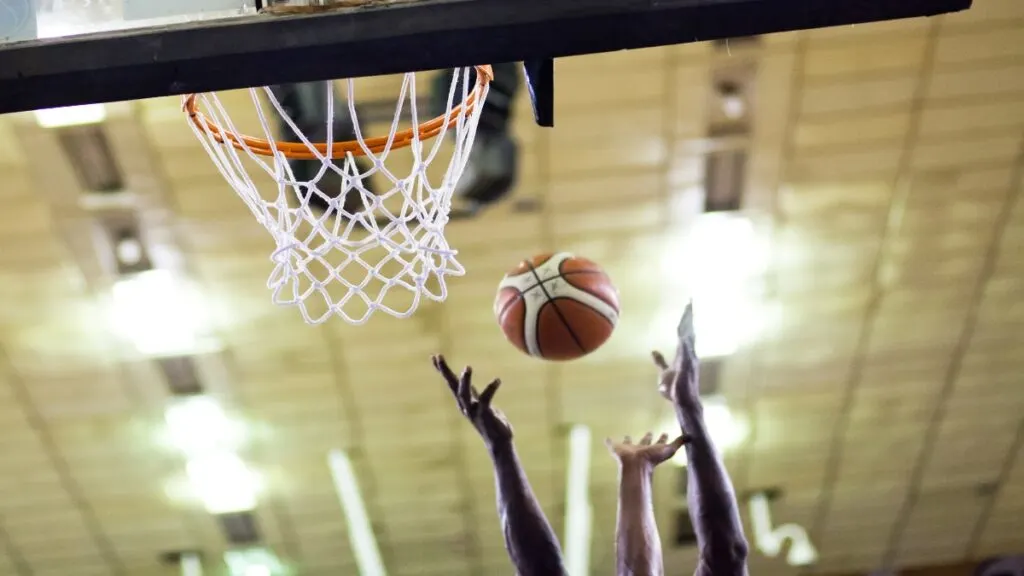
[(531, 543), (712, 500), (709, 493), (529, 539)]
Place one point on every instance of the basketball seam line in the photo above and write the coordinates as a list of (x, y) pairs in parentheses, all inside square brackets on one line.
[(520, 294), (572, 333), (571, 299), (566, 275)]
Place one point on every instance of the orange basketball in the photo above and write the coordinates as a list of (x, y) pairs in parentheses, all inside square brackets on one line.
[(557, 307)]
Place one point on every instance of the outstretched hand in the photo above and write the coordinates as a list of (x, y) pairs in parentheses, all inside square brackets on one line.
[(476, 407), (647, 451), (678, 381)]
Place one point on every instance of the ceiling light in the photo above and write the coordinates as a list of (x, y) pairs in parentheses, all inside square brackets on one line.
[(727, 431), (71, 116), (129, 251), (731, 97), (733, 107), (223, 482), (360, 531), (253, 562), (769, 539), (727, 245), (802, 553), (197, 425), (717, 261), (191, 565), (578, 510), (157, 312)]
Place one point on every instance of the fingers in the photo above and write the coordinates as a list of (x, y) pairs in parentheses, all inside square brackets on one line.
[(679, 442), (464, 392), (489, 392), (441, 365), (646, 440), (685, 328), (659, 360), (627, 440), (663, 438), (665, 390), (610, 445)]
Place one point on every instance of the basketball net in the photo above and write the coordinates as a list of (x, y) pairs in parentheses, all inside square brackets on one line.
[(341, 249)]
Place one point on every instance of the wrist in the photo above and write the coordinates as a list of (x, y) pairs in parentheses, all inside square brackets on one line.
[(500, 448), (635, 467), (688, 403)]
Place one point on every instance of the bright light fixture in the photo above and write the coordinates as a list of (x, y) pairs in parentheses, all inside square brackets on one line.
[(715, 263), (360, 532), (197, 425), (769, 539), (253, 562), (727, 431), (223, 482), (71, 115), (129, 251), (157, 312), (578, 510), (733, 106), (191, 565), (802, 552)]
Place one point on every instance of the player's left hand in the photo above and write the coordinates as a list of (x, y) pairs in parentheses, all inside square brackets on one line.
[(648, 451), (476, 407), (678, 381)]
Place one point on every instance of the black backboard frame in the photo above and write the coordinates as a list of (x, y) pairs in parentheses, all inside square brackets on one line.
[(385, 39)]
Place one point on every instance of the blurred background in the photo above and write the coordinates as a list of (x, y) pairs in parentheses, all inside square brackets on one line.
[(843, 205)]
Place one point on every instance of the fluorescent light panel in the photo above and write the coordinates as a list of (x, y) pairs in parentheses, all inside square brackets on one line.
[(198, 426), (727, 430), (71, 116), (191, 565), (769, 539), (157, 312), (360, 532), (578, 511), (223, 482), (253, 562)]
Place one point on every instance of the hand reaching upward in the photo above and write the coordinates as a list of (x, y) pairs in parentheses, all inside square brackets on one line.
[(647, 451), (531, 543), (476, 406), (678, 382)]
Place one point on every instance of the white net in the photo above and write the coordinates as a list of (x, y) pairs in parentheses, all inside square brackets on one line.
[(367, 221)]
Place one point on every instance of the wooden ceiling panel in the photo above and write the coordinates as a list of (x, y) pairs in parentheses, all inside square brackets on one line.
[(885, 159)]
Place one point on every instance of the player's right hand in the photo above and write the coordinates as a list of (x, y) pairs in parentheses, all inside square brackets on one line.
[(648, 452), (678, 381), (476, 407)]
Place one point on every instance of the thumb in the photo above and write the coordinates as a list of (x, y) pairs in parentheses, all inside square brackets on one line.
[(679, 442), (611, 448)]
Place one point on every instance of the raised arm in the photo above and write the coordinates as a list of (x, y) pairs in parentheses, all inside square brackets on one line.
[(709, 492), (637, 542), (531, 543)]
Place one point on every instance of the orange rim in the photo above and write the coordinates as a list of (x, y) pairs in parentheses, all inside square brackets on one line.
[(300, 151)]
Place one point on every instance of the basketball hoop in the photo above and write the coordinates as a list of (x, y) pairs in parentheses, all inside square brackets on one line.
[(333, 258)]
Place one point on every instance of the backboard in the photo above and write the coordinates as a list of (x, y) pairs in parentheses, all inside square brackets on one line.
[(68, 52)]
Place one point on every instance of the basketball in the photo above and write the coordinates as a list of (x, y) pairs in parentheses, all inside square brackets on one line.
[(557, 307)]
